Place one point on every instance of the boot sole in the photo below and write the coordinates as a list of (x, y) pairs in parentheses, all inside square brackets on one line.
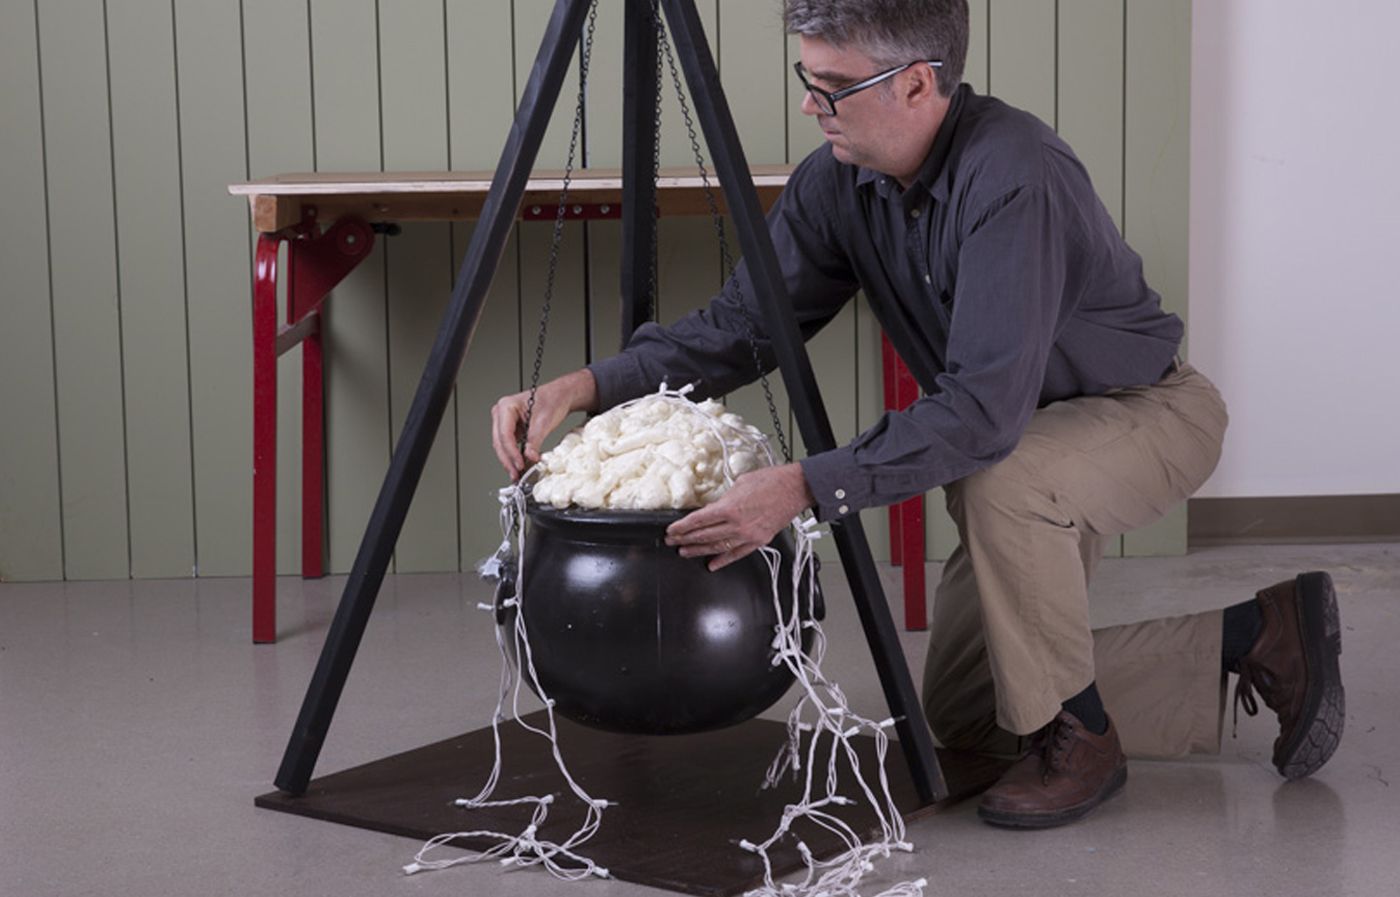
[(1324, 704), (1010, 819)]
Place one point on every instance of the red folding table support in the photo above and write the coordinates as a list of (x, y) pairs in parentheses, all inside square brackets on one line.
[(907, 517), (316, 262)]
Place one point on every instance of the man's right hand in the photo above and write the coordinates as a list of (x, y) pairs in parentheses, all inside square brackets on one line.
[(554, 401)]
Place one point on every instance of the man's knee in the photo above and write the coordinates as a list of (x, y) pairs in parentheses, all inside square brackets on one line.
[(996, 492)]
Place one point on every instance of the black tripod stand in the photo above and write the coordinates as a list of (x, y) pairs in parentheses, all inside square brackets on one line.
[(638, 231)]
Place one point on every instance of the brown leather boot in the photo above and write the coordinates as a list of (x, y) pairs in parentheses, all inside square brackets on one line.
[(1294, 667), (1067, 772)]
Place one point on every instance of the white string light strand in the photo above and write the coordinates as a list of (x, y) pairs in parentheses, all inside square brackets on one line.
[(833, 723)]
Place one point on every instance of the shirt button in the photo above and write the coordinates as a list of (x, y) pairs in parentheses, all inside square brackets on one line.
[(914, 213), (840, 494), (928, 278), (843, 510)]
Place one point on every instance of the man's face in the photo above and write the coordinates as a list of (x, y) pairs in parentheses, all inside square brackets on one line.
[(868, 125)]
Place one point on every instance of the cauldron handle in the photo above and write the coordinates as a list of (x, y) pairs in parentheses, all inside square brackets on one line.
[(505, 590)]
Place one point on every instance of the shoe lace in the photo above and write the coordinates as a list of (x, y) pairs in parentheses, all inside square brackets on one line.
[(1053, 743), (1252, 678)]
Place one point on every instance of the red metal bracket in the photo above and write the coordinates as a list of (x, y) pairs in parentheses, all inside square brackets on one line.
[(319, 261), (576, 211)]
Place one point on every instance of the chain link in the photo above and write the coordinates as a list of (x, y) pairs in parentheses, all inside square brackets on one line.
[(558, 235), (726, 259), (654, 304)]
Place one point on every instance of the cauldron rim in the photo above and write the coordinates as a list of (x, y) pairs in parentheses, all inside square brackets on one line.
[(609, 518)]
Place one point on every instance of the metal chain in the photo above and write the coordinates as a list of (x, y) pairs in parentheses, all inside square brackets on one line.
[(726, 259), (654, 303), (558, 236)]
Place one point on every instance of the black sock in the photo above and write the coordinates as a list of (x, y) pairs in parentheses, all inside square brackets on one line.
[(1087, 707), (1243, 623)]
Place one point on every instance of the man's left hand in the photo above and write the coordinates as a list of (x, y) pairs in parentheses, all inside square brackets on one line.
[(747, 517)]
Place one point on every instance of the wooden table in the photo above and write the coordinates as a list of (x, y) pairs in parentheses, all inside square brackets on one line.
[(329, 222)]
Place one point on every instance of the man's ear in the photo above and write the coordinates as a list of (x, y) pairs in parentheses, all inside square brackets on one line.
[(922, 85)]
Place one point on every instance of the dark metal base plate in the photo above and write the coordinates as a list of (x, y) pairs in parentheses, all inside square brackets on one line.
[(683, 801)]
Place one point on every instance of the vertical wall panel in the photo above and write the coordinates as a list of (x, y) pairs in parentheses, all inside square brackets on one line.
[(490, 370), (480, 119), (605, 288), (86, 300), (675, 142), (753, 70), (604, 109), (975, 68), (531, 18), (1090, 98), (31, 538), (146, 163), (210, 71), (278, 64), (1021, 67), (413, 81), (345, 75), (1157, 165)]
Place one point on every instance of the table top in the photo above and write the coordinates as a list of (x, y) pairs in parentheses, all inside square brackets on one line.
[(279, 201), (586, 179)]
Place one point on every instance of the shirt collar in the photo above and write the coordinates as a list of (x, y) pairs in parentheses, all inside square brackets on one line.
[(930, 172)]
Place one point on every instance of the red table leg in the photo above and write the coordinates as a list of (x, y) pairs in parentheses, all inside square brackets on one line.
[(265, 440), (915, 609), (889, 363), (316, 262), (911, 525)]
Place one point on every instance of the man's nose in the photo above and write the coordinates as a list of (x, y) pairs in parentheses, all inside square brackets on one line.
[(809, 103)]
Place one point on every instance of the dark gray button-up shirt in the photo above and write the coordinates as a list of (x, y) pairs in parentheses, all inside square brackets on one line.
[(998, 275)]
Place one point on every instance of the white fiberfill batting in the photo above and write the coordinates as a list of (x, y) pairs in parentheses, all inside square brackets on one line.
[(660, 451)]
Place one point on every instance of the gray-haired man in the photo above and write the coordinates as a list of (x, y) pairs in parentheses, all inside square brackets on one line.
[(1055, 416)]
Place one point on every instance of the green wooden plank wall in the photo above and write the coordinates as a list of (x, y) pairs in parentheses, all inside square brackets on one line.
[(124, 331)]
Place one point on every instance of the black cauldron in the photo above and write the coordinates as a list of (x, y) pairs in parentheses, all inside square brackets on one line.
[(628, 636)]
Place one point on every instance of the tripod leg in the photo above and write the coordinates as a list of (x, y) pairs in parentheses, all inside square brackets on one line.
[(434, 390), (723, 141), (639, 123)]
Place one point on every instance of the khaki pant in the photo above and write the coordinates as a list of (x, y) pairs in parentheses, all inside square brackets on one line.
[(1010, 638)]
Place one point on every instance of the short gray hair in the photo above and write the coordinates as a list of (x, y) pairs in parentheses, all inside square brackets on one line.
[(890, 32)]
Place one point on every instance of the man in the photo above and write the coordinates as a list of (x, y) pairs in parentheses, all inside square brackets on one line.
[(1056, 415)]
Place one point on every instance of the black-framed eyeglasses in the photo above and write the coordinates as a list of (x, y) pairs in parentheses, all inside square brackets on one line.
[(826, 99)]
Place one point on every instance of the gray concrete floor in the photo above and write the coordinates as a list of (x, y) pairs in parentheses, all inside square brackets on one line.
[(137, 723)]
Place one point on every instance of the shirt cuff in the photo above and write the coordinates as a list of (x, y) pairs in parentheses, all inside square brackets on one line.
[(837, 483), (619, 378)]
